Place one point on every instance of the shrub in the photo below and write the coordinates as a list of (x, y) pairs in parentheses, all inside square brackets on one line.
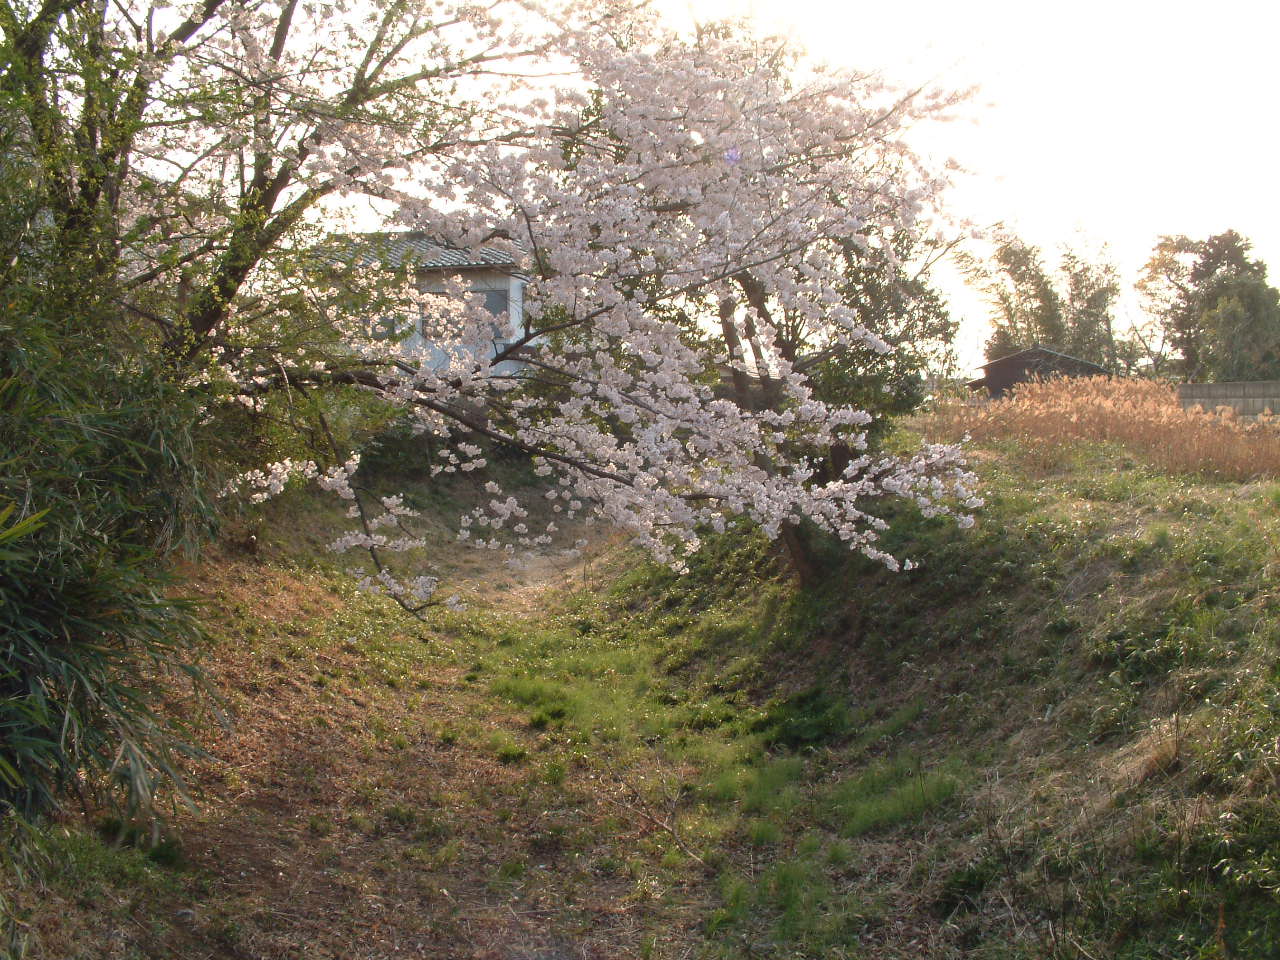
[(99, 482)]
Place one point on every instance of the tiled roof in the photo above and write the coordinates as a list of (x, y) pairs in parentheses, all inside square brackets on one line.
[(417, 249)]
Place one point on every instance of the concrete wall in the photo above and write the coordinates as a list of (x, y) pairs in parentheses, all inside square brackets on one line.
[(1247, 399)]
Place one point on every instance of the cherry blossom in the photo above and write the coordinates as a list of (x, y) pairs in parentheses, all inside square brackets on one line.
[(680, 207)]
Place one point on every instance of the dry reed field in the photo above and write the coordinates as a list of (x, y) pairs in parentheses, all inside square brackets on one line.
[(1049, 418)]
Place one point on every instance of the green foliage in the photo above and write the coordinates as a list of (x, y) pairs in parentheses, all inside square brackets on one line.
[(89, 631), (1243, 323), (900, 307)]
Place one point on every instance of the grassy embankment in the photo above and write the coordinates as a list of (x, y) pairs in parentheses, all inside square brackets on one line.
[(1057, 737)]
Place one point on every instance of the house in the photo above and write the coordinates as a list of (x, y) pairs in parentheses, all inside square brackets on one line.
[(486, 271), (1033, 363)]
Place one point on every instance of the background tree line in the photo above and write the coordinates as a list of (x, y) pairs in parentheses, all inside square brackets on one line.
[(1208, 311)]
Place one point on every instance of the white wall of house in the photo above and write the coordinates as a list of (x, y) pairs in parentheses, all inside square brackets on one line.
[(478, 281)]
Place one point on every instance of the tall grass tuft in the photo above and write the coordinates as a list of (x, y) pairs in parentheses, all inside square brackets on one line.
[(1049, 418)]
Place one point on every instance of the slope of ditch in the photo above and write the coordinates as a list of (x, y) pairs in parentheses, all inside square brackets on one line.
[(1057, 737)]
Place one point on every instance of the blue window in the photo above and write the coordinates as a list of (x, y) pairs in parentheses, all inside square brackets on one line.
[(495, 301)]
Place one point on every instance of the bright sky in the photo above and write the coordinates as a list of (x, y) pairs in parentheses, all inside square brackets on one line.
[(1095, 122)]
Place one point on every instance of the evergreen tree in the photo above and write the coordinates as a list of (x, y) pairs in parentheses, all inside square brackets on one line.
[(1213, 303)]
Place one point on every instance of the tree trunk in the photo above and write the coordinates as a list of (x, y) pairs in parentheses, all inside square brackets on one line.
[(800, 554)]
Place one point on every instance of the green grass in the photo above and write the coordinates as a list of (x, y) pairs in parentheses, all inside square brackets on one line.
[(888, 794), (89, 864), (1106, 597), (772, 787)]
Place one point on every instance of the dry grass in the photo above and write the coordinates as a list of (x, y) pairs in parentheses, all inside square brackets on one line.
[(1050, 418)]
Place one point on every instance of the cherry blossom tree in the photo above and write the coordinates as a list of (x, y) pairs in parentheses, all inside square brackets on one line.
[(683, 207)]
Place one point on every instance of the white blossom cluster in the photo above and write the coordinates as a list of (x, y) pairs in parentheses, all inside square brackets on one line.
[(337, 479), (418, 589), (270, 480)]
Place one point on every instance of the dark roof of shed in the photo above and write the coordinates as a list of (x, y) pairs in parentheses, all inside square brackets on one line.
[(410, 248), (1044, 352)]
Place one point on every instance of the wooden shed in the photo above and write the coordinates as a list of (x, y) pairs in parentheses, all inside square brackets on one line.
[(999, 375)]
